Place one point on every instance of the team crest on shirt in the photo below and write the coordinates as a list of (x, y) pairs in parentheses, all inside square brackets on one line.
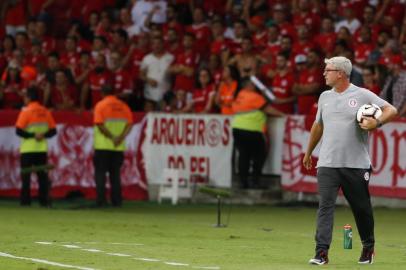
[(366, 176), (352, 102)]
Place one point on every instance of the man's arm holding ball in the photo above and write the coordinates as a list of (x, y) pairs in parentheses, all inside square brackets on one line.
[(370, 123)]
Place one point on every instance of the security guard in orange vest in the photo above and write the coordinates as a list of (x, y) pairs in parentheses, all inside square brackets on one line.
[(34, 125), (249, 122), (113, 121)]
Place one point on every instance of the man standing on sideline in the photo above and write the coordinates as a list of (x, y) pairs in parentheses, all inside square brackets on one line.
[(344, 160), (113, 121), (34, 125)]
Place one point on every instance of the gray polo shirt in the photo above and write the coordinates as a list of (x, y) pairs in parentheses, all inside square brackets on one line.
[(344, 144)]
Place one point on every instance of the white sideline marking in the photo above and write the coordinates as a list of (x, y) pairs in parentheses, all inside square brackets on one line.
[(147, 259), (71, 246), (126, 244), (2, 254), (119, 254), (68, 245), (103, 243), (176, 264), (91, 250)]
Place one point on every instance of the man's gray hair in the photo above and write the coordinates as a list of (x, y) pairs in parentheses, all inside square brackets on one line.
[(341, 63)]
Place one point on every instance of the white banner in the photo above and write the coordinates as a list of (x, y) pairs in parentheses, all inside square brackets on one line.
[(276, 133), (201, 145)]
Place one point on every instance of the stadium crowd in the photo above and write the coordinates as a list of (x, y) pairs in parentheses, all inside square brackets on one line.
[(188, 55)]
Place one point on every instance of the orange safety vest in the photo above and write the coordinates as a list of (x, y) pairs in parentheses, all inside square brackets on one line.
[(227, 96), (115, 115), (248, 111), (34, 118)]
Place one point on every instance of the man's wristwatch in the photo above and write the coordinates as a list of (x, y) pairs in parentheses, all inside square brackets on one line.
[(378, 123)]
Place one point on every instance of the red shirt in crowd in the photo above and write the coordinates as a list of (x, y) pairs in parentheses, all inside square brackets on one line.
[(103, 32), (84, 45), (386, 59), (60, 11), (396, 10), (302, 47), (189, 59), (36, 6), (265, 69), (2, 31), (79, 71), (201, 97), (8, 55), (217, 75), (326, 41), (61, 96), (15, 14), (375, 29), (3, 63), (308, 76), (356, 5), (212, 7), (41, 82), (122, 81), (235, 47), (373, 88), (362, 52), (310, 19), (260, 40), (179, 28), (202, 35), (33, 60), (174, 49), (48, 44), (70, 59), (135, 62), (218, 46), (96, 82), (282, 88), (89, 6), (287, 29), (12, 95), (272, 49), (76, 9)]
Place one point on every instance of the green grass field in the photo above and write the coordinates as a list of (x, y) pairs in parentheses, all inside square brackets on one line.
[(151, 236)]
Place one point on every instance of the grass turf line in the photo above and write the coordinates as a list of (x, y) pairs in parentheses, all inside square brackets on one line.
[(258, 237)]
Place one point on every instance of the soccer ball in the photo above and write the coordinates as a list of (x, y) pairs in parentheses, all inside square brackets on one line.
[(371, 110)]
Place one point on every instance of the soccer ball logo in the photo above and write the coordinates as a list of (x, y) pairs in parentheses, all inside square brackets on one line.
[(371, 110)]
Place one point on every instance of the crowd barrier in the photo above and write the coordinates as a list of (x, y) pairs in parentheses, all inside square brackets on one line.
[(200, 145)]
